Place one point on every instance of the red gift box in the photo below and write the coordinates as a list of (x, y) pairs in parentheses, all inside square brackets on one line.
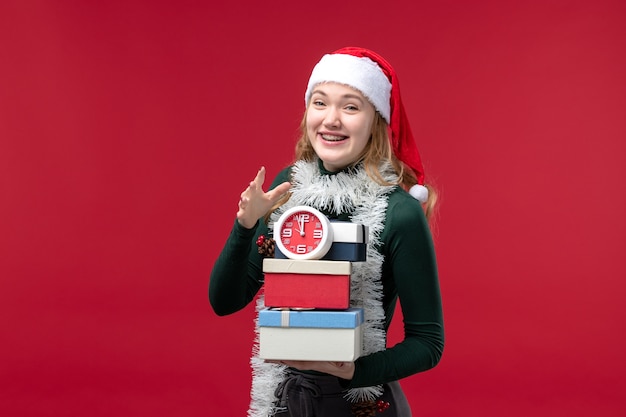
[(307, 283)]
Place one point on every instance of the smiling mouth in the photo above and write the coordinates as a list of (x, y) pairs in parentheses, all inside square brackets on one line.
[(333, 138)]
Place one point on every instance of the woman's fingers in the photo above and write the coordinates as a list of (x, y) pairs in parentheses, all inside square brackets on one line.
[(255, 203), (277, 192), (260, 177), (343, 370)]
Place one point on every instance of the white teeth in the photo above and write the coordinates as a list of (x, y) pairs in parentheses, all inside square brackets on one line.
[(333, 138)]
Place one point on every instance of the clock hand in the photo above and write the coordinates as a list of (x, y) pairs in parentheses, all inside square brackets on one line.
[(298, 225), (301, 221)]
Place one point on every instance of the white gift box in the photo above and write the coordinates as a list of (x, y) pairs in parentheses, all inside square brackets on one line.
[(348, 232), (314, 335), (297, 266)]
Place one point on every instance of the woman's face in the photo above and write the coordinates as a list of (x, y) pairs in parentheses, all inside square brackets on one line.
[(339, 124)]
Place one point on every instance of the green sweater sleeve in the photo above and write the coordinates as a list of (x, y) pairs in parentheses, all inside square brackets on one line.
[(410, 274), (237, 274)]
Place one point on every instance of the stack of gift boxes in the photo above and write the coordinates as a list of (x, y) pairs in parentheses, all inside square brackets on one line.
[(307, 314)]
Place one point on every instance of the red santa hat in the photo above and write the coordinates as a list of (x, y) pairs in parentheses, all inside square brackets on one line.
[(376, 79)]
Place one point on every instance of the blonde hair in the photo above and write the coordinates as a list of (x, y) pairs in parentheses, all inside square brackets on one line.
[(377, 150)]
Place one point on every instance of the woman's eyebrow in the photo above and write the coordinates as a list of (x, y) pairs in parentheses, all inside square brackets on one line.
[(319, 92), (344, 96)]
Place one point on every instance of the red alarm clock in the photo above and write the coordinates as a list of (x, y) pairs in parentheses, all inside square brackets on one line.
[(303, 232)]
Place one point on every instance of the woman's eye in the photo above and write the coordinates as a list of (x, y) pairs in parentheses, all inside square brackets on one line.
[(352, 108), (318, 102)]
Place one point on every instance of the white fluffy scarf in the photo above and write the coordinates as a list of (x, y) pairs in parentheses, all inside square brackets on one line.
[(353, 192)]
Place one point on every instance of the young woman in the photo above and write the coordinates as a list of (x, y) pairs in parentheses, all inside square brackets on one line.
[(355, 161)]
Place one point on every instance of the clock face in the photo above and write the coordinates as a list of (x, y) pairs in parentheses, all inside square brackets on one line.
[(303, 233)]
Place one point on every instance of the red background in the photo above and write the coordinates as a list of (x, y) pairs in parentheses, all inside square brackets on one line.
[(129, 128)]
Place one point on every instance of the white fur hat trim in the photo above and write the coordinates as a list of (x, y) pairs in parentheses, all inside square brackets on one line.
[(362, 74)]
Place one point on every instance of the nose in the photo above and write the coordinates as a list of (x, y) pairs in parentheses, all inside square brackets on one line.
[(332, 117)]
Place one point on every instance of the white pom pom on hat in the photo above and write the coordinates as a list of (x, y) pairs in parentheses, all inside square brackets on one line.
[(376, 79), (419, 192)]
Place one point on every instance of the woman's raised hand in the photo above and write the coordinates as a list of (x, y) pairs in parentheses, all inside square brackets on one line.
[(255, 203)]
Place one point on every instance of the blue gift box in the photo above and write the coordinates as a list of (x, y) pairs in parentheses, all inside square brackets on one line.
[(331, 319), (339, 251)]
